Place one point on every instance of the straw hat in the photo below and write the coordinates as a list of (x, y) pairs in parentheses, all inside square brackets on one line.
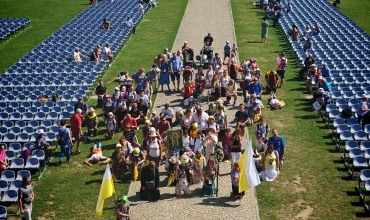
[(184, 159)]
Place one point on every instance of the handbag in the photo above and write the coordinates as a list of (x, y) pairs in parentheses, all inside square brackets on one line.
[(316, 105), (150, 185)]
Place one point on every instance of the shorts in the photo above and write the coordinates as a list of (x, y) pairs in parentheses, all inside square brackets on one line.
[(227, 54), (175, 75), (236, 191), (77, 136), (281, 73)]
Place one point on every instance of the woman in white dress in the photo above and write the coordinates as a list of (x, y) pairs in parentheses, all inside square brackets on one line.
[(199, 162), (270, 164)]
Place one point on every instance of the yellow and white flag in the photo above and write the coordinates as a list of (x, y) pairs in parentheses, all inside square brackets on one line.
[(106, 191), (249, 177)]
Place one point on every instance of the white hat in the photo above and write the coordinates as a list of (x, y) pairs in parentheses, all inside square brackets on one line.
[(320, 90), (41, 131), (185, 42), (364, 96), (173, 160), (91, 109), (227, 42), (117, 88), (147, 122), (110, 114)]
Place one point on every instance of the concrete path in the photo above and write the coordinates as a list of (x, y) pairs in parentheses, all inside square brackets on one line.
[(200, 17)]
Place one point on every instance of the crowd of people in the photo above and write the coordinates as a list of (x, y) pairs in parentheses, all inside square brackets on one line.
[(206, 129)]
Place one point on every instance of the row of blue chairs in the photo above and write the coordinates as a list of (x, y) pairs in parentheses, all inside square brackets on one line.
[(37, 105), (39, 116)]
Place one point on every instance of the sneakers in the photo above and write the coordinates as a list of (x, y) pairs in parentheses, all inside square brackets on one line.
[(234, 104)]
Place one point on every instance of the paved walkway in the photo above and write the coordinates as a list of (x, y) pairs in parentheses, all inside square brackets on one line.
[(200, 18)]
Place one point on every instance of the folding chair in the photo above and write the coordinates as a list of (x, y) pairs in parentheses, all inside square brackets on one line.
[(8, 175), (32, 164), (3, 212), (10, 196), (15, 185), (50, 137), (3, 185), (9, 138), (364, 176), (359, 162), (17, 164), (344, 136), (16, 147), (360, 136), (22, 173), (10, 155)]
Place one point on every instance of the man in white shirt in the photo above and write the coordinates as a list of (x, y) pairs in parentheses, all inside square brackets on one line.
[(107, 54), (167, 112), (77, 56), (201, 118)]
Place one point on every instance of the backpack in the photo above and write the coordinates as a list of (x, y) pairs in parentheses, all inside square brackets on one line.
[(61, 140), (346, 113), (54, 97), (86, 139)]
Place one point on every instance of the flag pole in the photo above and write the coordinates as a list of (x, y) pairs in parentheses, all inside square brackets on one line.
[(178, 182), (111, 169), (217, 175)]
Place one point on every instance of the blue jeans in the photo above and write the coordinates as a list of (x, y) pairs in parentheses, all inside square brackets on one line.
[(64, 150)]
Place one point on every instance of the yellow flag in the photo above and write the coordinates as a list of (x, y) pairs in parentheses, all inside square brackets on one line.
[(106, 191), (249, 177)]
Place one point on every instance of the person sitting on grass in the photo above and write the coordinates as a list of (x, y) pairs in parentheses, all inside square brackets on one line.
[(96, 156), (111, 126), (270, 164)]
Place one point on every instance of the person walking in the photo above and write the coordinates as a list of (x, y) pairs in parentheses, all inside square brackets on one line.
[(25, 198), (265, 29), (64, 141), (281, 61), (76, 123)]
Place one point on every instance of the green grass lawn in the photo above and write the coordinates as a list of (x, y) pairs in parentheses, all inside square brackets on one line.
[(71, 191), (313, 182)]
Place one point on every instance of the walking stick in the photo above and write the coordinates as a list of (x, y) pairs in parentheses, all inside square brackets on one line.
[(178, 182), (217, 173)]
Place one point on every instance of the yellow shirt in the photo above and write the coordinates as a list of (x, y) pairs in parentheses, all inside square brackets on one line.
[(270, 160)]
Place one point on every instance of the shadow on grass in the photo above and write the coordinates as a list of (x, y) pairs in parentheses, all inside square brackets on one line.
[(362, 215), (97, 181)]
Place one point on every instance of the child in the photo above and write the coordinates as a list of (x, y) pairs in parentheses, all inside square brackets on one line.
[(194, 130), (123, 209), (111, 126), (225, 140), (186, 139)]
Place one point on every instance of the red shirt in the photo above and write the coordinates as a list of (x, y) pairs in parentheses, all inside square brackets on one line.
[(75, 123), (163, 126), (226, 140), (188, 90), (131, 122)]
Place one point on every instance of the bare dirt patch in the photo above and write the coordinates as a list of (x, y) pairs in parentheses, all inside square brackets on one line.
[(305, 214), (47, 216), (308, 97), (304, 211), (49, 202), (298, 185), (48, 172), (52, 195), (279, 124)]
